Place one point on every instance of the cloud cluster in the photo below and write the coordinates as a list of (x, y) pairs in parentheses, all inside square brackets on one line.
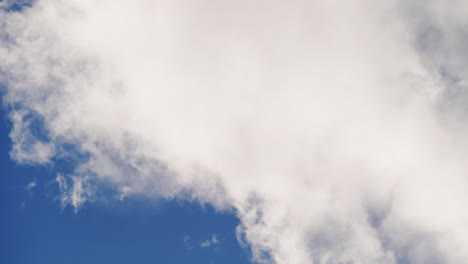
[(335, 130), (212, 242)]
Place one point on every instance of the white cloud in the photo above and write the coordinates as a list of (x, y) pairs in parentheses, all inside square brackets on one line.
[(30, 186), (213, 241), (75, 194), (334, 129), (188, 242), (29, 189), (27, 148)]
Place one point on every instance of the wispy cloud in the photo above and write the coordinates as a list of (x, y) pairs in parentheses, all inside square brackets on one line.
[(74, 191), (30, 186), (188, 242), (29, 189), (211, 242)]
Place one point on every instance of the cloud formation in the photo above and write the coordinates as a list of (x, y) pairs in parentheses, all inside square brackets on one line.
[(335, 130), (211, 242)]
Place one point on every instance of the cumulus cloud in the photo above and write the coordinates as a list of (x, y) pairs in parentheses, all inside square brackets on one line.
[(335, 130)]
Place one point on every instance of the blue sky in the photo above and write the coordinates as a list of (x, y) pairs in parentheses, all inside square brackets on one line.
[(35, 229)]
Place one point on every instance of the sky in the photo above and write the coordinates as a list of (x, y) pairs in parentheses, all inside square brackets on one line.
[(35, 228), (294, 131)]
